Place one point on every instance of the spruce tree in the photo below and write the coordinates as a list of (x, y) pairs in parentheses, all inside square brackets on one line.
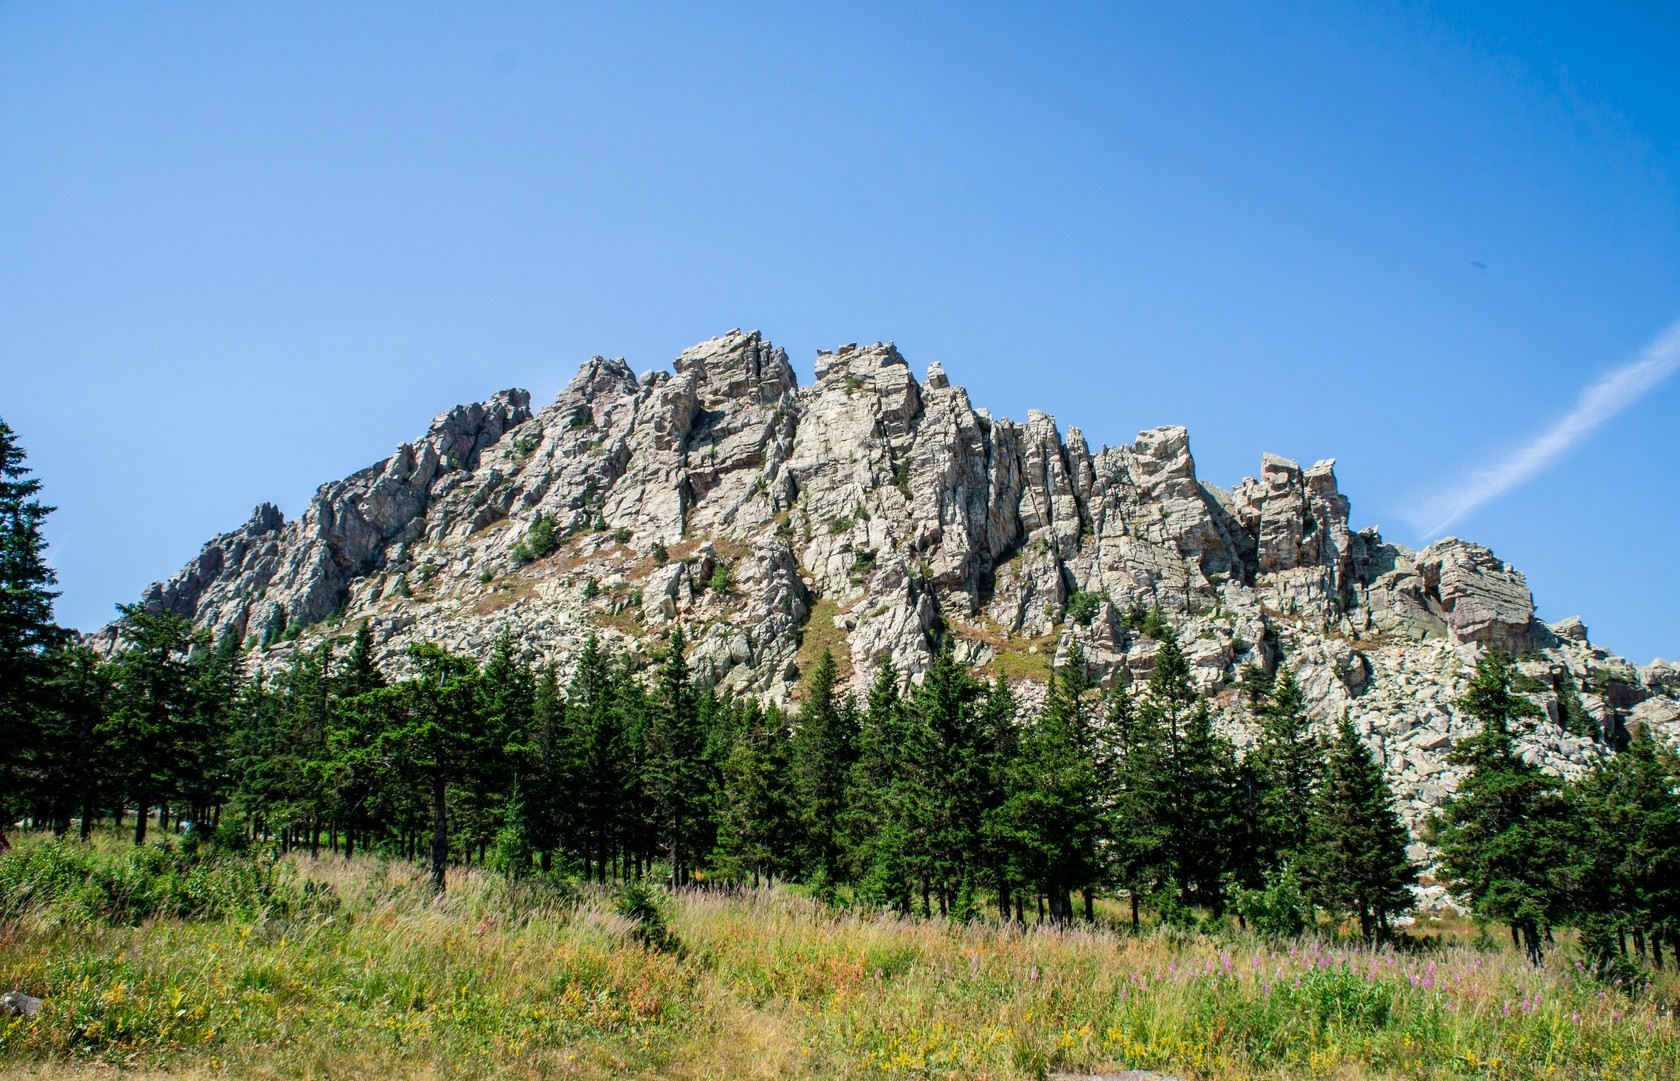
[(1623, 862), (1054, 810), (1500, 834), (881, 798), (1285, 763), (1148, 825), (753, 804), (70, 764), (430, 724), (602, 761), (824, 747), (27, 630), (677, 787), (152, 705), (1354, 855)]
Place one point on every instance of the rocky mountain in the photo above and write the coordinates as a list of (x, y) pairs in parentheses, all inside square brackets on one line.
[(865, 511)]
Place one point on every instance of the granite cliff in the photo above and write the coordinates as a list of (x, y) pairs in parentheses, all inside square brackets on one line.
[(871, 508)]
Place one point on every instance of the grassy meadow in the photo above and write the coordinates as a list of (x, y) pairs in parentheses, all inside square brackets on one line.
[(169, 965)]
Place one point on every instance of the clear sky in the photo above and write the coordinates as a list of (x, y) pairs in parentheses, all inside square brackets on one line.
[(248, 248)]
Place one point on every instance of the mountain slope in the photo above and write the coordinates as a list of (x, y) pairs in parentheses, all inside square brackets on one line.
[(869, 509)]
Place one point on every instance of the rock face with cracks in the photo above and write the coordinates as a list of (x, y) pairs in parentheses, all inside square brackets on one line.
[(872, 510)]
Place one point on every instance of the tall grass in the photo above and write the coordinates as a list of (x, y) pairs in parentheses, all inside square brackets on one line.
[(527, 981)]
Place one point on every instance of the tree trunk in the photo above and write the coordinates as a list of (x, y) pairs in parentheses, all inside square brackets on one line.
[(1133, 895), (440, 834), (140, 825)]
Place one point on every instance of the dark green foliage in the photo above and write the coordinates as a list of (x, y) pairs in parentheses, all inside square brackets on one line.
[(583, 418), (1279, 908), (1500, 834), (1630, 887), (722, 579), (660, 555), (1573, 716), (1148, 621), (645, 907), (1354, 850), (541, 540), (1083, 606), (822, 752), (1285, 768)]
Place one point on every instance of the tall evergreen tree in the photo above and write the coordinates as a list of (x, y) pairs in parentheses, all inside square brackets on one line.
[(430, 725), (824, 746), (27, 630), (602, 760), (754, 802), (677, 786), (882, 797), (1500, 833), (1285, 763), (1622, 867), (152, 707), (1054, 806), (1354, 853), (70, 766)]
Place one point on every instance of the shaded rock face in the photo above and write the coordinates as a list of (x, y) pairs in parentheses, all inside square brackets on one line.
[(863, 512)]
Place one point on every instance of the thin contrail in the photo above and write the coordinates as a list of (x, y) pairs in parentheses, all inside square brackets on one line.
[(1611, 394)]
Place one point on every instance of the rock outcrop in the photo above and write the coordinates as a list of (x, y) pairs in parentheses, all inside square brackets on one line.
[(867, 510)]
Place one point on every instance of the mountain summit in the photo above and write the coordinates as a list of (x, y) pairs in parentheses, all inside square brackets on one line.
[(868, 513)]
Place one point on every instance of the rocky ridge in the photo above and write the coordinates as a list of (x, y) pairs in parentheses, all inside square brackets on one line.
[(870, 508)]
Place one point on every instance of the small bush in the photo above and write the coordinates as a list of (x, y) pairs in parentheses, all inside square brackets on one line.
[(1277, 909), (645, 907), (590, 589), (722, 579), (621, 535), (660, 555), (71, 883), (526, 445), (583, 418), (1082, 607)]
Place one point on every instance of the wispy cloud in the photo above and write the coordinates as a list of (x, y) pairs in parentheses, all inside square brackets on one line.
[(1611, 394)]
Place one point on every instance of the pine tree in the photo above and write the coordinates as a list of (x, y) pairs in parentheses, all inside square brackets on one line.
[(824, 746), (1623, 860), (1500, 834), (881, 798), (1053, 808), (1354, 855), (70, 764), (943, 760), (27, 630), (429, 725), (603, 765), (1286, 766), (1205, 818), (550, 800), (1147, 822), (677, 787), (753, 802), (152, 704)]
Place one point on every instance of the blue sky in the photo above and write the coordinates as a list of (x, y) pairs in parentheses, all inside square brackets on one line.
[(246, 249)]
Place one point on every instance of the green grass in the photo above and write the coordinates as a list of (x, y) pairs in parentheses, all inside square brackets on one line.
[(520, 981)]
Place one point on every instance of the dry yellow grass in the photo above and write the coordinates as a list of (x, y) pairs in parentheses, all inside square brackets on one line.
[(519, 981)]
